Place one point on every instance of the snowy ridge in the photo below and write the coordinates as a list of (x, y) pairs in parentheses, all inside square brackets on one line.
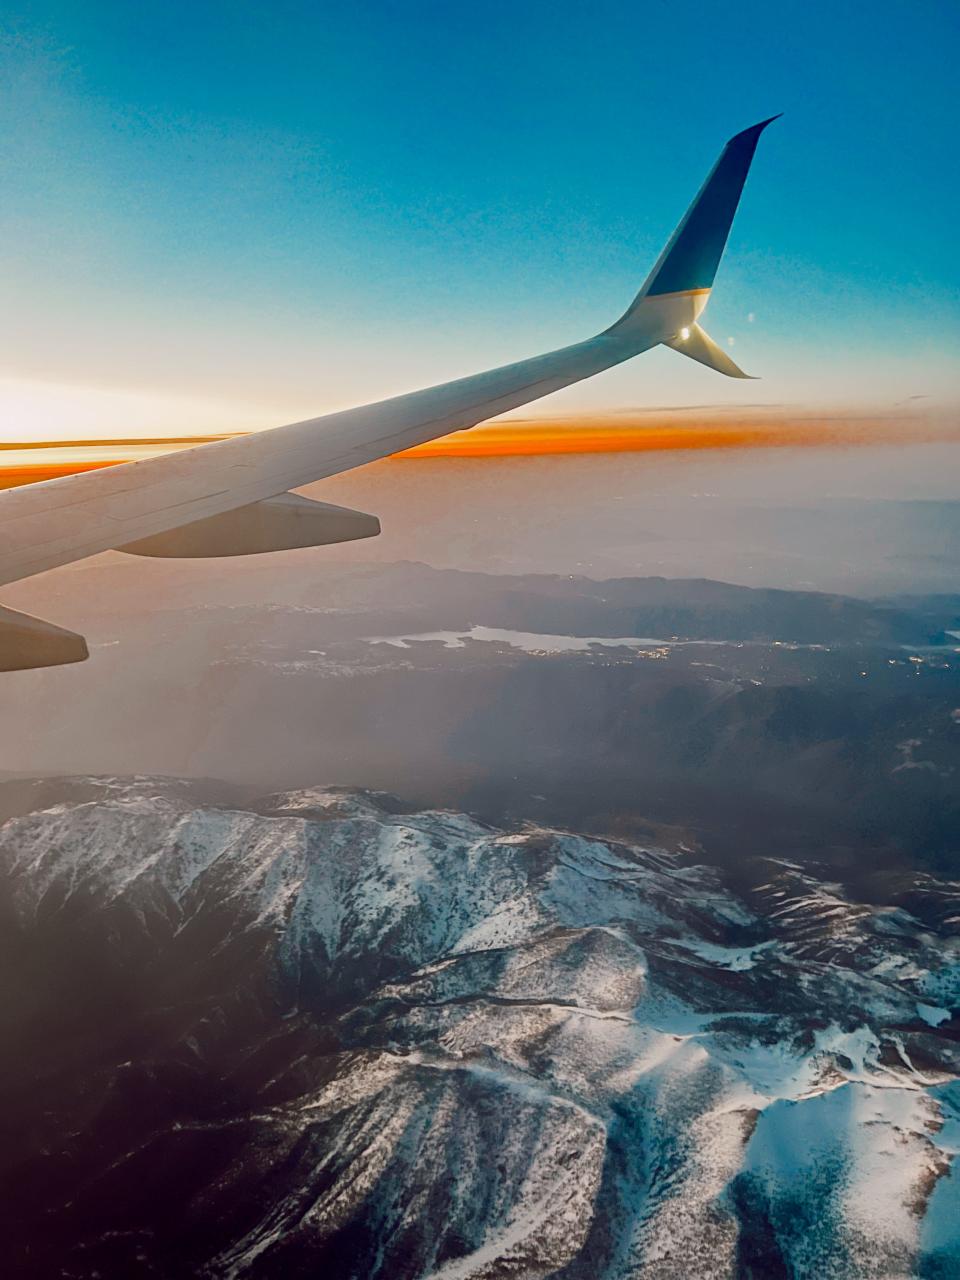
[(518, 1053)]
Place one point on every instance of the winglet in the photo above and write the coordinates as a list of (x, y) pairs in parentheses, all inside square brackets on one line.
[(689, 262), (693, 252)]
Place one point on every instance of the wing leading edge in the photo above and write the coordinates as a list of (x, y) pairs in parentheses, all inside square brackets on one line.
[(59, 521)]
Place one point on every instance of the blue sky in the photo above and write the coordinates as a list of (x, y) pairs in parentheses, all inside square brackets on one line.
[(225, 215)]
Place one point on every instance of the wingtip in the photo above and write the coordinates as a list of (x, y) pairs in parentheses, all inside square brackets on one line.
[(755, 130)]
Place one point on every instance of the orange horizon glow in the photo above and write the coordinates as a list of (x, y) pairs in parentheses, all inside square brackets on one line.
[(662, 432), (640, 431)]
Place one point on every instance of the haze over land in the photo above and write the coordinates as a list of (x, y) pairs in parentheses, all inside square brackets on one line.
[(862, 503), (860, 519), (670, 982)]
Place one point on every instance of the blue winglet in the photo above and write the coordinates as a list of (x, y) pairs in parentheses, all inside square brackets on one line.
[(693, 252)]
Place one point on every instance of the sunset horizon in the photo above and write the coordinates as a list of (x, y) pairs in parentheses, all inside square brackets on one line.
[(629, 431)]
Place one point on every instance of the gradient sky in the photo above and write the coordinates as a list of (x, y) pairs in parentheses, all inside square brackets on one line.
[(221, 216)]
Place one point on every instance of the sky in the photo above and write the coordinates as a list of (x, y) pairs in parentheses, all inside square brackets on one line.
[(224, 216)]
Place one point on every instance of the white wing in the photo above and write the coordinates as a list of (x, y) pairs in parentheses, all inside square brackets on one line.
[(178, 503)]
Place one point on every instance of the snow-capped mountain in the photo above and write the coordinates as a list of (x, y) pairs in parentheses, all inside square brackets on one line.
[(322, 1035)]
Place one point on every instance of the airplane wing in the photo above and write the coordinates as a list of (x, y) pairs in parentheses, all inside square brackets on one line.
[(232, 497)]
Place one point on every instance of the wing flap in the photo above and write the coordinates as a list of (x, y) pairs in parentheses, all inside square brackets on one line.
[(27, 642), (276, 524)]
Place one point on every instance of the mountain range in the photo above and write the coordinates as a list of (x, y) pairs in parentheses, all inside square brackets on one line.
[(325, 1033)]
